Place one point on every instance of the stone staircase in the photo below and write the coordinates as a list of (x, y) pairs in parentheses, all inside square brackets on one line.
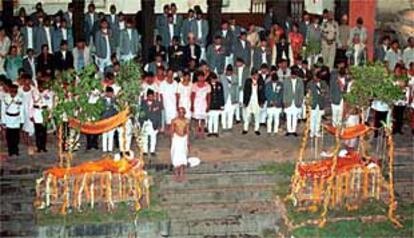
[(221, 200)]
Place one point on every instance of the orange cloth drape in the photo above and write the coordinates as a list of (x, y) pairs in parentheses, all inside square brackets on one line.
[(349, 132), (101, 126)]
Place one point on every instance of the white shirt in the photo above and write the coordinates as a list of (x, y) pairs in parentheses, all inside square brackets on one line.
[(224, 33), (380, 106), (129, 30), (64, 54), (192, 51), (243, 43), (108, 47), (49, 39), (32, 66), (65, 34), (240, 75), (41, 101), (121, 25), (264, 58), (92, 17), (171, 29), (12, 113), (112, 18), (294, 85), (30, 37), (199, 30)]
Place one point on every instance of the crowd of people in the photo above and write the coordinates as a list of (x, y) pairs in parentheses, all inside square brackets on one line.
[(254, 75)]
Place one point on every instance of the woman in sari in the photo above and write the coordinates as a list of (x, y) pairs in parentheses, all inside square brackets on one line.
[(296, 41)]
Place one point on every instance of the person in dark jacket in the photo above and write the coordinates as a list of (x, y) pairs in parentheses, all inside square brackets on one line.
[(176, 54), (109, 111), (45, 62), (150, 120), (64, 57), (253, 100), (318, 91), (216, 104), (191, 50), (274, 99)]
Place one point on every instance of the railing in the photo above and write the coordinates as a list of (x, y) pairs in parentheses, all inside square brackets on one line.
[(258, 6)]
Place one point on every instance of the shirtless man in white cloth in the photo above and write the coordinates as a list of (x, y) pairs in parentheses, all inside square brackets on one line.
[(180, 128)]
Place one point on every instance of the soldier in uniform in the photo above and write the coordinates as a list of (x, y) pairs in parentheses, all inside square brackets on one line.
[(41, 106), (12, 117), (329, 39)]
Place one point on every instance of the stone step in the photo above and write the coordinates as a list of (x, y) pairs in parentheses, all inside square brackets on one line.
[(253, 224), (226, 166), (213, 197), (221, 211), (211, 180)]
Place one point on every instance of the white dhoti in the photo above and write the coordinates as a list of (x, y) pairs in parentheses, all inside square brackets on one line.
[(128, 136), (179, 150), (337, 112)]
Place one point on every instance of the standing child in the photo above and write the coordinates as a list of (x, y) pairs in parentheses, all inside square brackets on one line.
[(200, 101), (180, 130), (40, 108), (12, 117), (26, 92), (109, 111)]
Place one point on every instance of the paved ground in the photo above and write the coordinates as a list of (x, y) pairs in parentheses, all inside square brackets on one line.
[(230, 164)]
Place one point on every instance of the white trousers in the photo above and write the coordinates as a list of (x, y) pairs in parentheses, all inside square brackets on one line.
[(203, 53), (227, 116), (247, 118), (315, 123), (337, 112), (149, 137), (292, 118), (108, 141), (273, 115), (102, 63), (213, 121), (263, 113)]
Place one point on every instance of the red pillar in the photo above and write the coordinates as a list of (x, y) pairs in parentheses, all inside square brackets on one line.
[(367, 10)]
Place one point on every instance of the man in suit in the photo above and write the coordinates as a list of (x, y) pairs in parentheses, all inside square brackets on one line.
[(231, 97), (200, 28), (130, 42), (68, 16), (64, 57), (113, 21), (242, 49), (29, 64), (304, 25), (317, 90), (228, 41), (103, 46), (161, 20), (89, 22), (338, 86), (274, 99), (191, 50), (262, 54), (176, 55), (186, 26), (157, 49), (293, 94), (216, 55), (216, 105), (110, 110), (43, 35), (63, 32), (150, 120), (241, 73), (382, 48), (253, 100), (81, 55), (28, 33), (177, 19), (284, 52), (168, 31), (235, 28)]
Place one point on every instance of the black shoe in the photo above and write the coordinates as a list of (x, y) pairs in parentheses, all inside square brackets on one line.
[(145, 154), (209, 135), (257, 133), (216, 135), (244, 132), (287, 134), (45, 150), (153, 154), (295, 134)]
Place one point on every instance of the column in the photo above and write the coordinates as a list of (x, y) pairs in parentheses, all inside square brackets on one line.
[(7, 14), (148, 21), (78, 19), (367, 10), (214, 16)]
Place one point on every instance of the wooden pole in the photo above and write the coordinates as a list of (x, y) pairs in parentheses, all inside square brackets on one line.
[(214, 16), (148, 23), (78, 19)]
